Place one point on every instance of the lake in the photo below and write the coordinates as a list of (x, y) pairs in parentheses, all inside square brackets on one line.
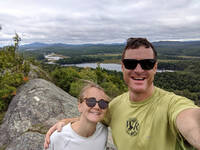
[(110, 66)]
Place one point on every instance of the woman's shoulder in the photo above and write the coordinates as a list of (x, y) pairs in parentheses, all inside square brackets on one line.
[(58, 135), (101, 127)]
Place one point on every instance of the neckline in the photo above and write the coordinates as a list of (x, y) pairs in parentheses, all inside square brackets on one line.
[(143, 102), (82, 137)]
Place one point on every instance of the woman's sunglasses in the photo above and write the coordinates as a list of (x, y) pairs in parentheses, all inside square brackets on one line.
[(146, 64), (91, 102)]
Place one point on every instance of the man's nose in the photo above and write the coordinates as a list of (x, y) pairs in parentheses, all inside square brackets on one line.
[(138, 68)]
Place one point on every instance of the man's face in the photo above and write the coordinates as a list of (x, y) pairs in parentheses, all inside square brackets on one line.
[(138, 79)]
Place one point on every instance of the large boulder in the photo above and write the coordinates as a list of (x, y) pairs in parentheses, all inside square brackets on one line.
[(37, 106)]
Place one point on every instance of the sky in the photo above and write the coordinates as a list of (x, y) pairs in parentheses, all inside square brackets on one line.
[(98, 21)]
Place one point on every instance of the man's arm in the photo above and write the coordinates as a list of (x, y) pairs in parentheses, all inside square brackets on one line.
[(58, 126), (188, 123)]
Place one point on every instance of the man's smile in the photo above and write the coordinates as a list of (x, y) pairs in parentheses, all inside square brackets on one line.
[(138, 78)]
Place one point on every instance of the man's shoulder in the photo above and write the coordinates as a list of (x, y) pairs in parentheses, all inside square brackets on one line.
[(163, 93), (169, 96)]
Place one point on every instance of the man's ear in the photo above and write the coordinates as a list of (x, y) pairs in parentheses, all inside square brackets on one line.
[(122, 66), (155, 67)]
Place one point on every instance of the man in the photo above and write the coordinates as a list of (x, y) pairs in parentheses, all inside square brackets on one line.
[(146, 117)]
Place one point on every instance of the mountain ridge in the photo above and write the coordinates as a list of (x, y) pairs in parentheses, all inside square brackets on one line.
[(42, 45)]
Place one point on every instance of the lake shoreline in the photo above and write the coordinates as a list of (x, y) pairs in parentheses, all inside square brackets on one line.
[(107, 66)]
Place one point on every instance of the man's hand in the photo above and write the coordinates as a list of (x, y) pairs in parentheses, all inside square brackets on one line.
[(58, 126)]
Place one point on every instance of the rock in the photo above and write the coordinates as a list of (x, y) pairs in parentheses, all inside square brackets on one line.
[(27, 141), (36, 107), (37, 72), (110, 144)]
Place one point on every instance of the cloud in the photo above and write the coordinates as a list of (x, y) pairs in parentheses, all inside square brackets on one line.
[(102, 21)]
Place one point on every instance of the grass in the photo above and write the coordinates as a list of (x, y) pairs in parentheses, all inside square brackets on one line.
[(105, 54), (189, 57), (115, 61), (168, 60)]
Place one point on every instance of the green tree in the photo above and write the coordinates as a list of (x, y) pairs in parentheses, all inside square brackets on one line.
[(111, 89), (76, 87), (88, 74), (13, 70), (101, 75), (63, 77), (17, 40)]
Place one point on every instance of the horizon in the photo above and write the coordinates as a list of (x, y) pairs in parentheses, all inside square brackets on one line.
[(96, 43)]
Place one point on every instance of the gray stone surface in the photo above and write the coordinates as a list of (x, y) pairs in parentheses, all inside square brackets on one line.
[(37, 72), (27, 141), (37, 106)]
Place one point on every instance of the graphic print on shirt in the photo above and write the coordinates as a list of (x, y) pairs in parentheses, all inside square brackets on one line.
[(132, 126)]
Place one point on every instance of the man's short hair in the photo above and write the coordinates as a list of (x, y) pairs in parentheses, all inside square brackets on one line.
[(134, 43)]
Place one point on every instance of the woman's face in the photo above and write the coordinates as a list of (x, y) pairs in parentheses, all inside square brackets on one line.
[(93, 114)]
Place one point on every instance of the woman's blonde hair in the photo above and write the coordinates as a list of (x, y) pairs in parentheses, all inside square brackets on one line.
[(88, 85)]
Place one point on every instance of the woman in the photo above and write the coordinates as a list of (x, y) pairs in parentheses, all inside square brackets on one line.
[(87, 133)]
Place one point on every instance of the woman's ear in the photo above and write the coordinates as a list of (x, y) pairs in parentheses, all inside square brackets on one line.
[(80, 107)]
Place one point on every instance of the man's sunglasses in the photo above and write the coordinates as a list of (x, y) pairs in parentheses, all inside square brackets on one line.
[(91, 102), (146, 64)]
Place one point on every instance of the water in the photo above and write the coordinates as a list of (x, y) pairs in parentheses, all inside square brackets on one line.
[(110, 66), (116, 67)]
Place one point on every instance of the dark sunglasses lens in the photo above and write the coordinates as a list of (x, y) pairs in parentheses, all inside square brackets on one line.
[(91, 102), (103, 104), (130, 63), (147, 64)]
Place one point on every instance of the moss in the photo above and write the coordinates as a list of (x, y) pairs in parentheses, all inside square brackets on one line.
[(3, 147), (1, 117), (40, 128)]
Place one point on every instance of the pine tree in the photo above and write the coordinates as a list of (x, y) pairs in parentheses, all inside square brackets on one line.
[(17, 40)]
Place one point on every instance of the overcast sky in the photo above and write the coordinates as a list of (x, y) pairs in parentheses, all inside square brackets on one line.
[(98, 21)]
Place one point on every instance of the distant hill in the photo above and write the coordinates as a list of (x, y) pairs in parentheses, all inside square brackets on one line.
[(176, 48), (34, 45), (159, 43), (176, 43), (38, 45), (172, 48)]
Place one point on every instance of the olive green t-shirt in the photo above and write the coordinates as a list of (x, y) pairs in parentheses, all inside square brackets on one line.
[(146, 125)]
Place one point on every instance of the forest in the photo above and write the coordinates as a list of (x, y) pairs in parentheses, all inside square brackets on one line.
[(70, 78), (15, 64)]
